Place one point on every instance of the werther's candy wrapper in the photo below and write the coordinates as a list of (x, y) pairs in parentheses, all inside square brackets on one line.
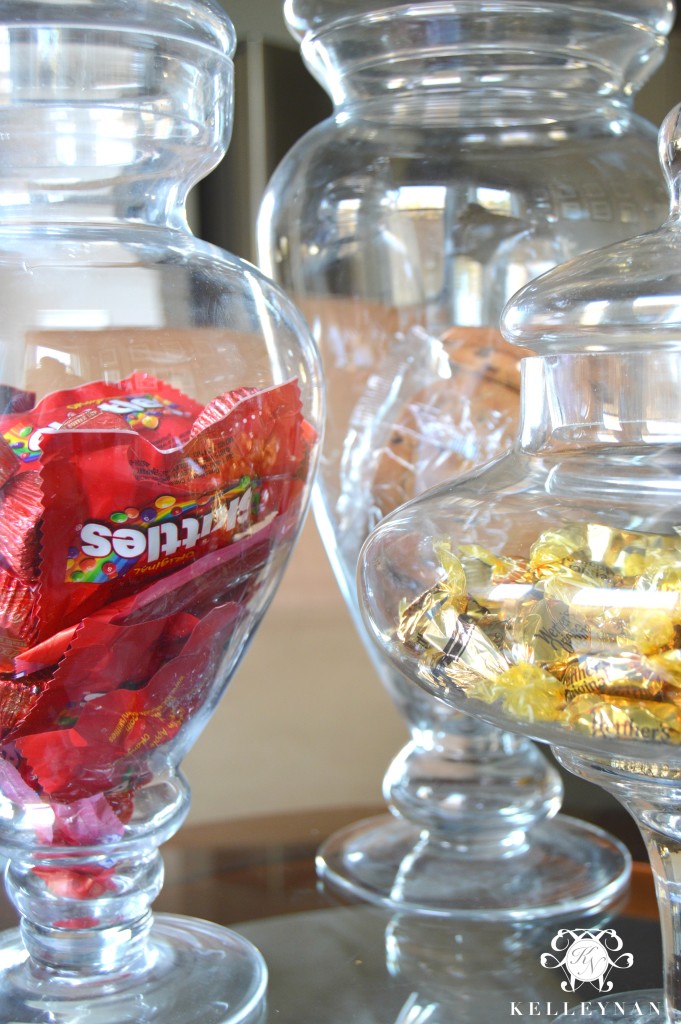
[(436, 624), (612, 675), (622, 718), (584, 633)]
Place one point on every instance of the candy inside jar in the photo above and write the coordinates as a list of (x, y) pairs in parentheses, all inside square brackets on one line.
[(137, 535), (585, 632), (159, 407), (542, 593)]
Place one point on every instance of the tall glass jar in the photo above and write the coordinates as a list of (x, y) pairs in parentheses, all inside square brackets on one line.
[(472, 146), (160, 405)]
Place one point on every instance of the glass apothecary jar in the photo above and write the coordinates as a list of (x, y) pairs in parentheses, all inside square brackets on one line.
[(160, 407), (472, 147), (541, 592)]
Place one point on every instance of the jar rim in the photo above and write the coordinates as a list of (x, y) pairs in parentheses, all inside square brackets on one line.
[(306, 17), (195, 22)]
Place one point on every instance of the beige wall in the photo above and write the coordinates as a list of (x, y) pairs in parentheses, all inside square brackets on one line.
[(663, 91), (305, 722)]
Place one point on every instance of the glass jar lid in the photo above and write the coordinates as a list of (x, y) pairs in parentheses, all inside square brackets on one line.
[(198, 22), (303, 16), (624, 297)]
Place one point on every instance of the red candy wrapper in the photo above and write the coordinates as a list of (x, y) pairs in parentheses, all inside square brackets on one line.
[(137, 530), (156, 511), (102, 738), (161, 414), (18, 619), (9, 462), (20, 517)]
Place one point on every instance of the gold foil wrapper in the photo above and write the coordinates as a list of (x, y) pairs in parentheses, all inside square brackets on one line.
[(621, 718), (546, 632), (618, 675), (585, 632), (452, 646)]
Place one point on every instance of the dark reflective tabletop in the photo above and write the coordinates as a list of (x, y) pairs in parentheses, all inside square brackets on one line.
[(338, 963), (332, 962)]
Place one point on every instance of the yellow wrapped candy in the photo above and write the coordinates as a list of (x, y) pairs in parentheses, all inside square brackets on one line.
[(545, 632), (612, 675), (650, 631), (667, 666), (555, 549), (624, 719), (453, 645), (586, 632), (529, 693)]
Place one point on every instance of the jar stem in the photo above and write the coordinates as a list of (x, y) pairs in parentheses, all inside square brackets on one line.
[(85, 916), (477, 787), (85, 906), (651, 793)]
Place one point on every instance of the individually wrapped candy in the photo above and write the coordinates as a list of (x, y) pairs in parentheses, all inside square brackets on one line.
[(612, 676), (76, 740), (18, 621), (622, 718), (437, 625), (433, 406), (159, 510), (20, 518), (160, 413), (437, 407), (584, 633), (136, 529)]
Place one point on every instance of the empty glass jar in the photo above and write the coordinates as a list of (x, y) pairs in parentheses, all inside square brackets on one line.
[(472, 146)]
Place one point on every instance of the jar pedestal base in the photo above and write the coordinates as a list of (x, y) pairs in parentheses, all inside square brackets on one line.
[(195, 973), (566, 867)]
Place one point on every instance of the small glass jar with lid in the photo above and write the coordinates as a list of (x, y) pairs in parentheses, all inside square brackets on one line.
[(542, 592)]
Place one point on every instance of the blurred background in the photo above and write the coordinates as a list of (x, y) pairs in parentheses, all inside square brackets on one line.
[(305, 723)]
